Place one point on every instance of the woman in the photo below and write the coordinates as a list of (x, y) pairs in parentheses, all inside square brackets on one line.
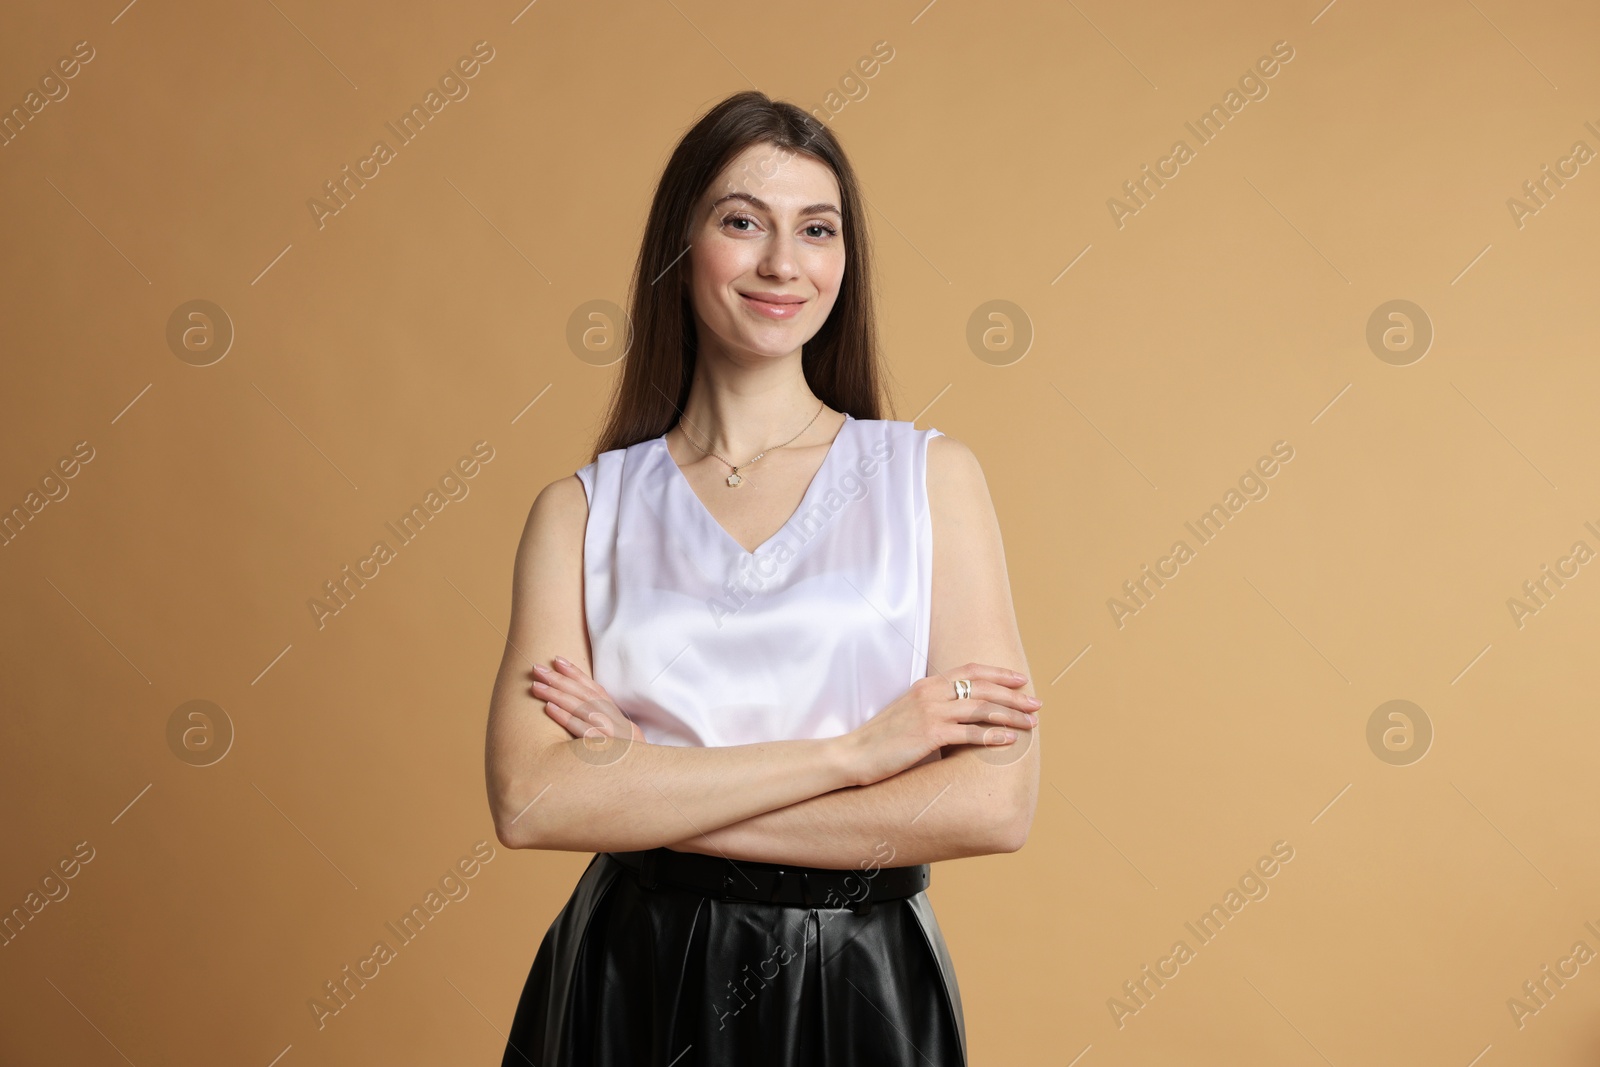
[(784, 674)]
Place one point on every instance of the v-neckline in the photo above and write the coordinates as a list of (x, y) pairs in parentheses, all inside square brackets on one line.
[(675, 473)]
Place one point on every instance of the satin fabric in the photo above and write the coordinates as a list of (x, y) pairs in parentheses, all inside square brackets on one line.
[(665, 977), (704, 644), (825, 624)]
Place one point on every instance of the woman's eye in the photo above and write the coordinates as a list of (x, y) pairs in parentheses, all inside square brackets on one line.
[(827, 230), (738, 218)]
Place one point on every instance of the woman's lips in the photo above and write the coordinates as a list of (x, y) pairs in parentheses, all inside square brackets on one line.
[(772, 306)]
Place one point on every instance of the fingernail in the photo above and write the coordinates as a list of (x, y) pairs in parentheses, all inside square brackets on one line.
[(561, 661), (1009, 736), (540, 669), (1036, 702), (1033, 718)]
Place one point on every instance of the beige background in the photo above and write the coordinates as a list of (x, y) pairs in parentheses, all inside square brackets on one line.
[(1228, 314)]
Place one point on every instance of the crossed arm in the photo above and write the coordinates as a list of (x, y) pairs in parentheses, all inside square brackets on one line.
[(736, 802), (969, 803)]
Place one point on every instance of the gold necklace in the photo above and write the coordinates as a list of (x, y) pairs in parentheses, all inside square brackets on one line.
[(734, 479)]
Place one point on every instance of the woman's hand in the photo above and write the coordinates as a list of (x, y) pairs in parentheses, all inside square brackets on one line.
[(579, 704), (928, 717)]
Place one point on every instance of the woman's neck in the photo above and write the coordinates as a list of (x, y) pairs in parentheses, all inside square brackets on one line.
[(742, 427)]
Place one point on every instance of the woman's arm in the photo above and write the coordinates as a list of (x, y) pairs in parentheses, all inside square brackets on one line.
[(947, 809), (976, 800), (549, 790)]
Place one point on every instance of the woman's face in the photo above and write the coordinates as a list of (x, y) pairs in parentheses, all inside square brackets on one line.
[(766, 253)]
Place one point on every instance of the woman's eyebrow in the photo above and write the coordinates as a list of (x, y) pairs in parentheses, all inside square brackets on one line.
[(761, 205)]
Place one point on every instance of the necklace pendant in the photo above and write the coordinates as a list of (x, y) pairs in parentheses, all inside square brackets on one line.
[(734, 479)]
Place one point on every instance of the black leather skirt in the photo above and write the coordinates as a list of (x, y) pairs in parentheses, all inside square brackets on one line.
[(666, 976)]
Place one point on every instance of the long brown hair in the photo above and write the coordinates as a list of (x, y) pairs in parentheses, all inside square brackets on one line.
[(840, 363)]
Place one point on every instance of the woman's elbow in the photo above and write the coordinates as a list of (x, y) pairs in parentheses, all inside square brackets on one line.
[(520, 794), (512, 828), (1011, 831), (515, 809)]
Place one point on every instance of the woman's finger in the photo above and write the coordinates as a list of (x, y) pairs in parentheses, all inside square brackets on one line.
[(988, 672), (564, 683), (607, 718), (576, 725), (564, 719), (571, 670), (994, 684), (1019, 720), (988, 737), (569, 702)]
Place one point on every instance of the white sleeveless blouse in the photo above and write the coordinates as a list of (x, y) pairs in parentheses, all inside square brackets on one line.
[(704, 644)]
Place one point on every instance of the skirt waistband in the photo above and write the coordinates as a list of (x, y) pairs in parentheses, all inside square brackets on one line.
[(772, 883)]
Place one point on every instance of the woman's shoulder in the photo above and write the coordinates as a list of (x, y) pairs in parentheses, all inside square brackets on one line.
[(562, 507), (615, 459), (563, 502), (952, 467), (894, 429)]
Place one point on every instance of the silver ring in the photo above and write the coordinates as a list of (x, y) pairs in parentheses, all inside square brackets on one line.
[(963, 689)]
